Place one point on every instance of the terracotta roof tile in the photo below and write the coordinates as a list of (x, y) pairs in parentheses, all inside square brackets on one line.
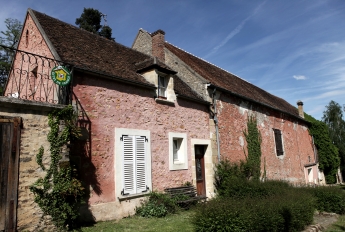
[(97, 54), (230, 82)]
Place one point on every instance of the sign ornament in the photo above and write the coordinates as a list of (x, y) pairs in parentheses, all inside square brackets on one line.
[(60, 75)]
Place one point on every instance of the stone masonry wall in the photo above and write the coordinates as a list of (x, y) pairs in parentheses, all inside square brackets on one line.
[(143, 42), (33, 135)]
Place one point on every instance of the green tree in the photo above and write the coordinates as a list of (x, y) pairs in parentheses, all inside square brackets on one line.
[(10, 39), (333, 117), (90, 20), (328, 156)]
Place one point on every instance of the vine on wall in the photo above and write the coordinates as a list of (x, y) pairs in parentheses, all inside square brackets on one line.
[(328, 155), (252, 134), (59, 192)]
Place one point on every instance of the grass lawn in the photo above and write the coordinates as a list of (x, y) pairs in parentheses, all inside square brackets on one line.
[(177, 222)]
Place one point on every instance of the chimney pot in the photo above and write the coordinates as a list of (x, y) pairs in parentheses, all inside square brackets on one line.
[(300, 108)]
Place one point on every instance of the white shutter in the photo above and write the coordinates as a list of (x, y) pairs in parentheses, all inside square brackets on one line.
[(128, 165), (140, 164)]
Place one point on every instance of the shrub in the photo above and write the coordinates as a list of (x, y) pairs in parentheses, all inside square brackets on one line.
[(329, 199), (157, 205), (291, 212)]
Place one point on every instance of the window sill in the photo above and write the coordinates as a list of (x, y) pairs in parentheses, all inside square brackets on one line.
[(164, 101), (133, 196)]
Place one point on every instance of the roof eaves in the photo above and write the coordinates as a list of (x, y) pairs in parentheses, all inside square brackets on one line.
[(193, 99), (50, 45), (257, 102), (117, 78)]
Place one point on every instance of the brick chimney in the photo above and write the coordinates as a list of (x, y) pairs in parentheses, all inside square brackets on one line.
[(158, 41), (300, 108)]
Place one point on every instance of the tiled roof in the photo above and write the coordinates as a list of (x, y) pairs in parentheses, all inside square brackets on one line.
[(89, 51), (94, 53), (155, 63), (232, 83), (183, 89)]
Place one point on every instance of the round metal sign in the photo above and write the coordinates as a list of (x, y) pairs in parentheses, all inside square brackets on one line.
[(60, 75)]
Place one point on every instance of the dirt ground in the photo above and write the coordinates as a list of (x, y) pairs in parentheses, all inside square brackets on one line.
[(322, 221)]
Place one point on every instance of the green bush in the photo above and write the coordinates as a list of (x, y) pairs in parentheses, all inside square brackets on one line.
[(329, 199), (230, 181), (157, 205), (291, 212)]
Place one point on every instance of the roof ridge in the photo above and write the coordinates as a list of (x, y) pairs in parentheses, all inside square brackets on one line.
[(81, 29), (208, 62)]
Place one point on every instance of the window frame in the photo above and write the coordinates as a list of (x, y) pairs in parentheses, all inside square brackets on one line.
[(163, 86), (278, 140), (180, 162), (122, 134)]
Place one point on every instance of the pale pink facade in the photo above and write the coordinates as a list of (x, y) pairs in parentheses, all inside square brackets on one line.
[(111, 105), (30, 75)]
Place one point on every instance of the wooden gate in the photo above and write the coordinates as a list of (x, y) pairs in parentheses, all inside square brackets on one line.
[(9, 155)]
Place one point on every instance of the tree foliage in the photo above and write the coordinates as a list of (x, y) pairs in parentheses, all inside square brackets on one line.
[(59, 192), (90, 20), (333, 117), (9, 38), (328, 155)]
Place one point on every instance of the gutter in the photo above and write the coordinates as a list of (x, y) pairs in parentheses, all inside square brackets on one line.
[(260, 103), (215, 119)]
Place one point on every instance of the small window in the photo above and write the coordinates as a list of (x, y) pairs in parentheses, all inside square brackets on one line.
[(176, 149), (279, 142), (162, 86), (178, 158), (27, 38)]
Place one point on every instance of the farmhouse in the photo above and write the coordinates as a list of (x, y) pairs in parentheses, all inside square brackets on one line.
[(151, 117)]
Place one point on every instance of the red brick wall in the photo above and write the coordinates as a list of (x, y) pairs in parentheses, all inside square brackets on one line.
[(158, 44), (233, 115), (111, 105)]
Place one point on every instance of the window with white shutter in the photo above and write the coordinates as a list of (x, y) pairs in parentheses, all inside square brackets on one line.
[(132, 162)]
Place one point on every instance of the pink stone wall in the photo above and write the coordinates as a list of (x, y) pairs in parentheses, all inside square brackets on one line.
[(30, 74), (233, 115), (111, 105)]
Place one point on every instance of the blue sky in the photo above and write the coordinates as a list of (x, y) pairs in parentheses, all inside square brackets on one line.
[(293, 49)]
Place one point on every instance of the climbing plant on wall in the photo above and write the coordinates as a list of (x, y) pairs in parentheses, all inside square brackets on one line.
[(328, 156), (253, 138), (59, 192)]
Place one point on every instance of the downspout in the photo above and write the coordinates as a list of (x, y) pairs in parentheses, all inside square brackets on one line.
[(215, 119)]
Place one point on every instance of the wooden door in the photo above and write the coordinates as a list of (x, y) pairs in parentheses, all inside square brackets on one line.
[(200, 169), (9, 155)]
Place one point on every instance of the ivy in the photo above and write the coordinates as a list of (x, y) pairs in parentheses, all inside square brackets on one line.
[(327, 152), (59, 192), (253, 138)]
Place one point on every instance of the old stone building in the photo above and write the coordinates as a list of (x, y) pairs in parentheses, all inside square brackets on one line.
[(137, 136), (152, 116), (287, 148)]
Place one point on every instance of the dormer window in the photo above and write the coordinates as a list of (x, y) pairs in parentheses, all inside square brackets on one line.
[(162, 86)]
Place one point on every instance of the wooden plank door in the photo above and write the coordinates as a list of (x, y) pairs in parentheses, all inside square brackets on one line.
[(9, 156), (200, 169)]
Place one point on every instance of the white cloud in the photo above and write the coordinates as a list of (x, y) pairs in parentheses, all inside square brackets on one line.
[(299, 77), (235, 31)]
